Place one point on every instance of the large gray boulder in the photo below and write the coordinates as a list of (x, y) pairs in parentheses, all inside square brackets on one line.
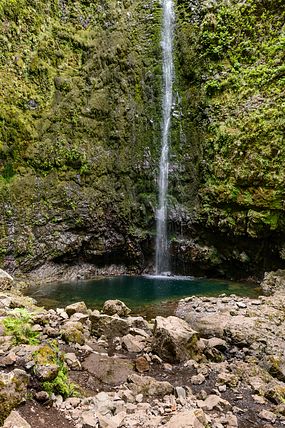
[(76, 307), (13, 390), (195, 418), (148, 386), (113, 307), (174, 340), (114, 326), (14, 420), (73, 332), (273, 282)]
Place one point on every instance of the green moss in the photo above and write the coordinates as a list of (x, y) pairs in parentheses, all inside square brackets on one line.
[(50, 354), (61, 385), (232, 60), (79, 118)]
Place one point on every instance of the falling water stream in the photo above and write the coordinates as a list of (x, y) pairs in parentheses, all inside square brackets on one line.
[(161, 256)]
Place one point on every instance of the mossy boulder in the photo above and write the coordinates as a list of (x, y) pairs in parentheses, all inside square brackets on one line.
[(47, 362), (72, 332), (13, 390)]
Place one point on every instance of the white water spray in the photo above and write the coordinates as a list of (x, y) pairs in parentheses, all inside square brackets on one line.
[(161, 256)]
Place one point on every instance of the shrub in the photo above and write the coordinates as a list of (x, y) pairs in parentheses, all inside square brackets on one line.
[(19, 326)]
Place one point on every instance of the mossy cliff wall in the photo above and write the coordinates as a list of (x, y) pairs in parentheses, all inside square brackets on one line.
[(80, 130), (232, 78), (80, 117)]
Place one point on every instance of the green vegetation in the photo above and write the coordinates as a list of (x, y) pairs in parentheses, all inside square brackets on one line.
[(49, 354), (19, 326), (232, 57), (79, 123), (61, 384)]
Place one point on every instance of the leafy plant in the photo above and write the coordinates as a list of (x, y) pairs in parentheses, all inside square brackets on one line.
[(19, 326), (61, 384), (48, 354)]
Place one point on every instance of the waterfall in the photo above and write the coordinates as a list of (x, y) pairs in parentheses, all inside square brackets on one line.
[(161, 256)]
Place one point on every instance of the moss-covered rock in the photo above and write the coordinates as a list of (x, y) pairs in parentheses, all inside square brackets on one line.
[(13, 390)]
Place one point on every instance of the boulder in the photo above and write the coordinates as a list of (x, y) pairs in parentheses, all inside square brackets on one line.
[(188, 419), (13, 390), (148, 386), (273, 282), (116, 307), (133, 344), (76, 307), (113, 326), (6, 281), (108, 370), (14, 420), (46, 365), (72, 332), (109, 326), (174, 340)]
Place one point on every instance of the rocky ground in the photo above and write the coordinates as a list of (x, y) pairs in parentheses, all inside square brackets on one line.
[(220, 362)]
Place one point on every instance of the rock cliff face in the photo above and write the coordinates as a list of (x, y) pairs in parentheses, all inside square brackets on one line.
[(80, 118)]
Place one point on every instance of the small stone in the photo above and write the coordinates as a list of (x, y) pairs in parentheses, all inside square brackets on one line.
[(222, 388), (267, 416), (167, 367), (198, 379), (72, 361), (8, 360), (212, 401), (133, 344), (61, 312), (242, 305), (216, 342), (141, 364), (89, 419), (156, 359), (232, 420), (259, 399), (188, 418), (79, 317), (180, 392), (41, 396), (139, 398)]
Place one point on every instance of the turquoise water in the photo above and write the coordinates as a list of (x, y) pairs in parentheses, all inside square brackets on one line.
[(143, 294)]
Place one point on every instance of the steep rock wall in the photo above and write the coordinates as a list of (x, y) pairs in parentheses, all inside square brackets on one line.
[(80, 126), (231, 69), (80, 118)]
